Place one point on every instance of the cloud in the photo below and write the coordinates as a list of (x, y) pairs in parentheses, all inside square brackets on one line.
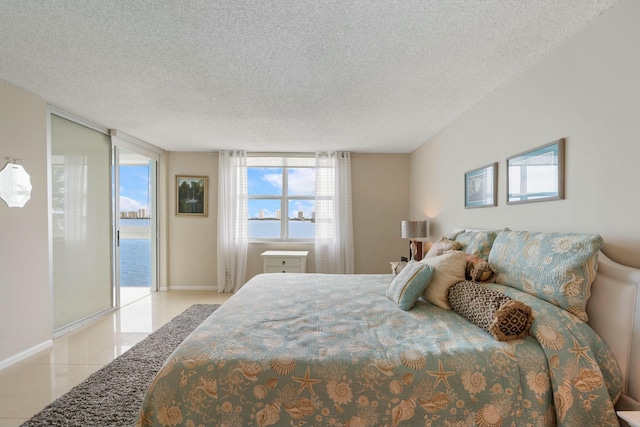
[(302, 181), (127, 204), (274, 179)]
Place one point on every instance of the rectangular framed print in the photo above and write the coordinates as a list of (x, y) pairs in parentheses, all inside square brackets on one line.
[(481, 187), (191, 195), (536, 175)]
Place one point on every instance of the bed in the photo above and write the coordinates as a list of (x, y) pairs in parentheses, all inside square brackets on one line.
[(334, 350)]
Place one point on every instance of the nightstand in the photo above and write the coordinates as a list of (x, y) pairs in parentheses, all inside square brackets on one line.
[(285, 261), (631, 417)]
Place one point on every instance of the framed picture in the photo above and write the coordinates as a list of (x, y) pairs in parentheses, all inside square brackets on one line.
[(191, 195), (481, 187), (536, 175)]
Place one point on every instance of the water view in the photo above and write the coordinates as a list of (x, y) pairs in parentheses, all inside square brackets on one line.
[(135, 262), (135, 252), (270, 229)]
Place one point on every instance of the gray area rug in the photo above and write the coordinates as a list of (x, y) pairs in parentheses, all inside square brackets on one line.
[(112, 396)]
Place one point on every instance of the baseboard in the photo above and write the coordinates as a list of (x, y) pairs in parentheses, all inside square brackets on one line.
[(190, 288), (23, 355)]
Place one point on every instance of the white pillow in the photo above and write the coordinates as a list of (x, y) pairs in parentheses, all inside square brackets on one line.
[(450, 269)]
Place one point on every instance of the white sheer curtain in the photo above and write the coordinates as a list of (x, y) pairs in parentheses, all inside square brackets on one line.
[(334, 226), (232, 220)]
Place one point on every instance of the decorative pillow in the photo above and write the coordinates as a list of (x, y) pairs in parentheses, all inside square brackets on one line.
[(503, 317), (450, 268), (444, 244), (479, 270), (477, 243), (453, 234), (408, 285), (556, 267)]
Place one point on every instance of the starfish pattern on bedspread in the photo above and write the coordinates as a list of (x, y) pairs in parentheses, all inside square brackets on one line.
[(333, 351)]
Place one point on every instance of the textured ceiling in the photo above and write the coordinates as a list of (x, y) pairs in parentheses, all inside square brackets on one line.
[(280, 75)]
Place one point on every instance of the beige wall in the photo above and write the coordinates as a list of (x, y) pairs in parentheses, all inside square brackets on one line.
[(380, 201), (25, 309), (191, 241), (380, 193), (587, 90)]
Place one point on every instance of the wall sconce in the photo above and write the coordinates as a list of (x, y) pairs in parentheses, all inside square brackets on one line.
[(15, 185), (412, 230)]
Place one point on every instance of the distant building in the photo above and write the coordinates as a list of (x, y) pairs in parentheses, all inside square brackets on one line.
[(300, 215), (278, 214)]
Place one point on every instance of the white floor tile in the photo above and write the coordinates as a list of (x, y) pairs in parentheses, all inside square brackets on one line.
[(28, 386)]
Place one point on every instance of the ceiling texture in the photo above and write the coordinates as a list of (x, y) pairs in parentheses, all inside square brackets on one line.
[(281, 75)]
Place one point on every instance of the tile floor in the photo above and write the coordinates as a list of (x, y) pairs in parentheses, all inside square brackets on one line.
[(28, 386)]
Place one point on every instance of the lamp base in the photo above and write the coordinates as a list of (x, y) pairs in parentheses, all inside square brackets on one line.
[(415, 250)]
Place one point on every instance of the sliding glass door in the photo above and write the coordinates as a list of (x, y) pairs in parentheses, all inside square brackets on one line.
[(81, 230), (136, 223), (103, 219)]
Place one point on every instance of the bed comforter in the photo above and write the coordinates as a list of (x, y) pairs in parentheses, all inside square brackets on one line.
[(332, 350)]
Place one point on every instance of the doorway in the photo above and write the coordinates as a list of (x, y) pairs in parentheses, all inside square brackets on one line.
[(136, 225)]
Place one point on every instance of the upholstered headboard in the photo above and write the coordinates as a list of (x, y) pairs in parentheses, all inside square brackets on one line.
[(614, 313)]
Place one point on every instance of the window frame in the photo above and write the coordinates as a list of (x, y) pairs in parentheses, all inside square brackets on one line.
[(284, 199)]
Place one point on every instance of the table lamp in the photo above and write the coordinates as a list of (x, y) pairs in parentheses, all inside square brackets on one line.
[(412, 230)]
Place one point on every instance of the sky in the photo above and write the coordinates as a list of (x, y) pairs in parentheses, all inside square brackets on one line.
[(134, 188), (268, 182)]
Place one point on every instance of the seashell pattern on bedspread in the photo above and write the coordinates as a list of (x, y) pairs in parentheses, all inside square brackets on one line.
[(332, 350)]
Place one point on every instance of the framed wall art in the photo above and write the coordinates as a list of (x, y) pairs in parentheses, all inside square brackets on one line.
[(191, 195), (536, 175), (481, 187)]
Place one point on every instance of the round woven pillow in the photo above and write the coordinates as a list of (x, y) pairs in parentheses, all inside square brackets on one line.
[(503, 317)]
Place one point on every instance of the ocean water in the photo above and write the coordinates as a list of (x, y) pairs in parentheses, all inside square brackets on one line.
[(265, 229), (135, 255), (135, 262)]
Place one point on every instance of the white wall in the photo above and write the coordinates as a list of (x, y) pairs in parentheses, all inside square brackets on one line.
[(588, 91), (25, 308)]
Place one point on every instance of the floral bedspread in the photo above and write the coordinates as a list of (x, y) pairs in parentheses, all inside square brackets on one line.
[(332, 350)]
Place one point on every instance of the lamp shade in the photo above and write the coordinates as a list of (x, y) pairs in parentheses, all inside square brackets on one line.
[(413, 229)]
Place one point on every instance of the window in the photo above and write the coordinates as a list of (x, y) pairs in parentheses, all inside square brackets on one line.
[(281, 198)]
